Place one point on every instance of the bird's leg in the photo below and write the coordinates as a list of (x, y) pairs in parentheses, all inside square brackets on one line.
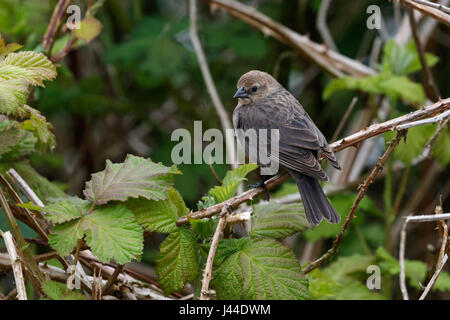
[(262, 184)]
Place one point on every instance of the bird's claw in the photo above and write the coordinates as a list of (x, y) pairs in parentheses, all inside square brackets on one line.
[(261, 184)]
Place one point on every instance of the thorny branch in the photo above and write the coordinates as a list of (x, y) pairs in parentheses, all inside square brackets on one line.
[(352, 214), (207, 273)]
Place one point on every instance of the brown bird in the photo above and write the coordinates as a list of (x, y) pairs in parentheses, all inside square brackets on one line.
[(265, 104)]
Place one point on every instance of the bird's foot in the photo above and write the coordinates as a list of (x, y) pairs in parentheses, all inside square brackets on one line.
[(261, 184)]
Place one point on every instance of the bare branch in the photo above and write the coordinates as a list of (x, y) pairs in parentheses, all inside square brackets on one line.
[(434, 278), (329, 60), (428, 82), (58, 12), (434, 5), (16, 265), (207, 273), (218, 105), (322, 25), (430, 11)]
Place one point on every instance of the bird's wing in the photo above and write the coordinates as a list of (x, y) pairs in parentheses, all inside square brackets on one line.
[(299, 139)]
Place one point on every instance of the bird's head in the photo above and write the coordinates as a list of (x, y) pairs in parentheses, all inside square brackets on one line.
[(254, 86)]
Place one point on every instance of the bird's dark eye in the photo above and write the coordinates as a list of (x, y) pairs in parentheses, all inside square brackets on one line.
[(254, 88)]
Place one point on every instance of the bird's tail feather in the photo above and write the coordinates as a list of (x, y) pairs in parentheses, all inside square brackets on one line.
[(314, 200)]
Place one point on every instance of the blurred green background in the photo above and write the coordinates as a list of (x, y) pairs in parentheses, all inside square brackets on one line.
[(127, 90)]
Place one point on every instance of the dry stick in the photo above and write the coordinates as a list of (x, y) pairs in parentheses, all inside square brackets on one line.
[(351, 140), (27, 213), (57, 57), (352, 214), (329, 60), (16, 265), (322, 25), (31, 195), (435, 119), (344, 119), (434, 5), (428, 82), (433, 279), (207, 273), (427, 150), (422, 218), (58, 12), (432, 12), (24, 187), (223, 116), (112, 279), (35, 275)]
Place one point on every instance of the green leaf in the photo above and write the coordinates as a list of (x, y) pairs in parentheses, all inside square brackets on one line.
[(404, 59), (6, 49), (415, 142), (323, 287), (228, 247), (13, 94), (159, 215), (89, 29), (276, 221), (136, 177), (28, 66), (57, 291), (67, 210), (111, 232), (64, 237), (41, 128), (441, 149), (177, 262), (9, 136), (386, 83), (262, 269), (231, 182)]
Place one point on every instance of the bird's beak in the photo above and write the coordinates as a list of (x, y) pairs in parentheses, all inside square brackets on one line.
[(240, 93)]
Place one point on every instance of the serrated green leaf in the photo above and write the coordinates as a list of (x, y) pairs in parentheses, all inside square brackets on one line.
[(57, 291), (111, 232), (276, 221), (177, 262), (228, 247), (64, 237), (135, 177), (159, 215), (41, 128), (13, 94), (262, 269), (67, 210), (89, 29), (231, 182), (28, 66), (404, 59)]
